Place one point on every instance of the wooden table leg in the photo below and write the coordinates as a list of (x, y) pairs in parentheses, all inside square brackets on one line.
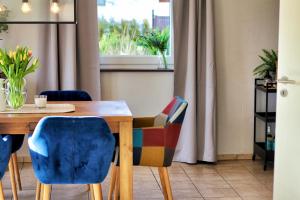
[(126, 190)]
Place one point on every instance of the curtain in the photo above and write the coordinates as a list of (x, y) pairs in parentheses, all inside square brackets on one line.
[(195, 78), (72, 70)]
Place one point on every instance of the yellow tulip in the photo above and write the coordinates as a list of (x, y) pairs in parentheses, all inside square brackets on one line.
[(35, 61), (10, 54)]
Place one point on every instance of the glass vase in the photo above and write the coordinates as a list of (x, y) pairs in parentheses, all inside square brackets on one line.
[(16, 93)]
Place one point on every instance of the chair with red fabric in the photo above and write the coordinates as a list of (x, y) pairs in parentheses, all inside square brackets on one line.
[(154, 143)]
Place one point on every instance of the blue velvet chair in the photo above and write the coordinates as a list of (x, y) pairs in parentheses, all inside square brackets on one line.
[(71, 150), (67, 95), (5, 151)]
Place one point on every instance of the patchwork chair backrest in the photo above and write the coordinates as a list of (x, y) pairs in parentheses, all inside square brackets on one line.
[(67, 95), (71, 150), (170, 112), (156, 146), (5, 151)]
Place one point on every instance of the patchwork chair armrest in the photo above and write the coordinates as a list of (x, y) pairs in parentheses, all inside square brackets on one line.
[(143, 122)]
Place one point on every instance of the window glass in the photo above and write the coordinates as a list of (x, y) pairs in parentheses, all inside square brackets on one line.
[(134, 27)]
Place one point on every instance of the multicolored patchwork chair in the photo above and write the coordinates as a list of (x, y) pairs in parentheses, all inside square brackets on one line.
[(5, 151), (154, 143), (71, 150)]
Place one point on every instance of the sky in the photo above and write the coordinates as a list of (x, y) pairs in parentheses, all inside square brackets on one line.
[(135, 9)]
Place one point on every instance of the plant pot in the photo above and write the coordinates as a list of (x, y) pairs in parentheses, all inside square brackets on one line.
[(16, 93)]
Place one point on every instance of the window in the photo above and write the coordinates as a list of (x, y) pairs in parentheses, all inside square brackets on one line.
[(130, 30)]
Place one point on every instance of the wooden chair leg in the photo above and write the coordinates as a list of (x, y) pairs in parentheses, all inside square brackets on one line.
[(166, 180), (38, 191), (42, 192), (163, 184), (91, 192), (46, 191), (12, 179), (112, 181), (97, 191), (17, 172), (117, 184), (1, 192)]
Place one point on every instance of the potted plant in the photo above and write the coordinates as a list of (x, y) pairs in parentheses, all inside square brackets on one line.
[(268, 68), (16, 65), (156, 42)]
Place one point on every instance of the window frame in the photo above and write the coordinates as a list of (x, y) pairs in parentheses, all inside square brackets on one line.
[(140, 62)]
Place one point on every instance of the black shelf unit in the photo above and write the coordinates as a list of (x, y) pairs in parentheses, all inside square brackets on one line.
[(267, 117)]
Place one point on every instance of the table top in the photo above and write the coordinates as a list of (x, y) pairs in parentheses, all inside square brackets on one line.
[(110, 110)]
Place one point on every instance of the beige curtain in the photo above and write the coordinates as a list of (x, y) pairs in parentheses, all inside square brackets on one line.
[(195, 78), (75, 72)]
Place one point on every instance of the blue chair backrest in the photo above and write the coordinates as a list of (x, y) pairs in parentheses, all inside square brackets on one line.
[(5, 151), (67, 95), (71, 150)]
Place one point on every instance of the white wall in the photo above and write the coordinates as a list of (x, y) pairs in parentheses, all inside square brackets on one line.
[(243, 28), (146, 92)]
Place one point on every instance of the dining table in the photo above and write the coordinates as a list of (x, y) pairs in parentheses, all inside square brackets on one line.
[(116, 113)]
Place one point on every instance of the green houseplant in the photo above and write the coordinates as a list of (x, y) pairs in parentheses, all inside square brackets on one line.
[(268, 67), (156, 42), (16, 65)]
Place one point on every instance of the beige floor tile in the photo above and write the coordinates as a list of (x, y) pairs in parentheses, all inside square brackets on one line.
[(147, 194), (244, 183), (202, 184), (224, 198), (186, 193), (258, 198), (237, 175), (206, 177), (224, 181), (253, 191), (218, 192)]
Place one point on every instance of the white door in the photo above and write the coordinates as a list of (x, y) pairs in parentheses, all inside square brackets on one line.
[(287, 153)]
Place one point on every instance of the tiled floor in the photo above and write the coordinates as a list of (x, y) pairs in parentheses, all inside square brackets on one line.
[(228, 180)]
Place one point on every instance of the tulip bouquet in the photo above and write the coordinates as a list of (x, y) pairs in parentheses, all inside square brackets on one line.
[(16, 65)]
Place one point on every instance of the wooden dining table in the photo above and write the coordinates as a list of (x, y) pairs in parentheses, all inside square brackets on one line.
[(117, 115)]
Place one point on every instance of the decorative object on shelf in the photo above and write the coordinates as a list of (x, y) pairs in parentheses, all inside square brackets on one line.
[(157, 43), (2, 95), (3, 16), (26, 6), (16, 65), (268, 69)]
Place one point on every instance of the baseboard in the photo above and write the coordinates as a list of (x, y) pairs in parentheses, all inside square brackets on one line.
[(221, 157)]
